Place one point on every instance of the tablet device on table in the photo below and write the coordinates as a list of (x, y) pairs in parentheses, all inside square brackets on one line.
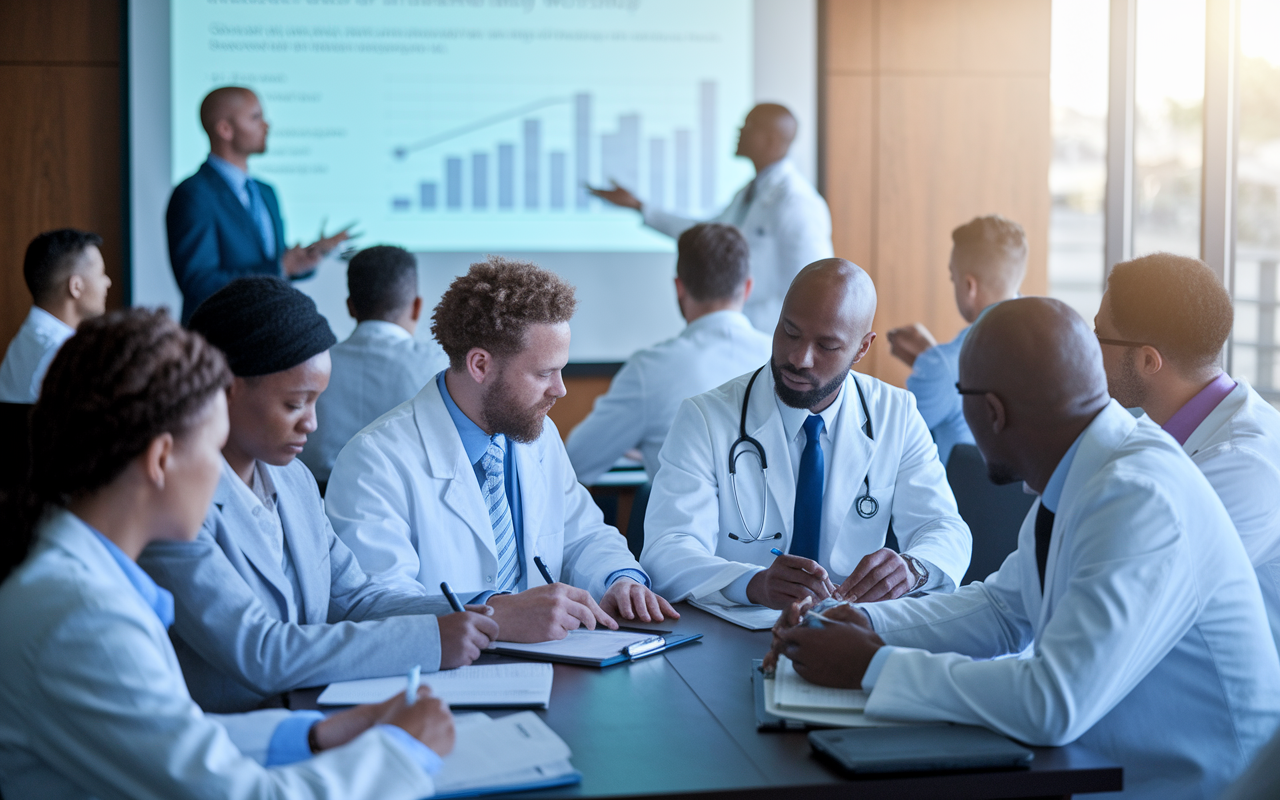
[(918, 749)]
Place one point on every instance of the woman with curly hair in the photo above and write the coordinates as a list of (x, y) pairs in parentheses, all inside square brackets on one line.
[(126, 441)]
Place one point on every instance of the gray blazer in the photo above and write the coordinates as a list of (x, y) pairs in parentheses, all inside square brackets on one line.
[(233, 602)]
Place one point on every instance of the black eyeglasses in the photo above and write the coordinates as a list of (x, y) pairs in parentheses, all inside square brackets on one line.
[(1124, 342), (964, 391)]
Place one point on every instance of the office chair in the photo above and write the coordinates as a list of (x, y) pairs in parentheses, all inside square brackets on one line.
[(635, 522), (993, 513)]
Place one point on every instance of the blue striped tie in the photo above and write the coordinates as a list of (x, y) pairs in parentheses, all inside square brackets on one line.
[(495, 499)]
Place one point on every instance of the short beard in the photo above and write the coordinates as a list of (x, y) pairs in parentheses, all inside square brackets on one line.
[(807, 399), (501, 415), (1128, 388)]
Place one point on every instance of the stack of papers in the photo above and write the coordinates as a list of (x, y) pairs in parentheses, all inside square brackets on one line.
[(520, 685), (753, 618), (581, 643), (514, 753)]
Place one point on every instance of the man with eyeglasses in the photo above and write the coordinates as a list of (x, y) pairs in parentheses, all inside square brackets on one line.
[(1130, 605), (1162, 325)]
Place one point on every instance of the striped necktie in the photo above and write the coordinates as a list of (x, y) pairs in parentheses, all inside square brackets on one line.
[(495, 499)]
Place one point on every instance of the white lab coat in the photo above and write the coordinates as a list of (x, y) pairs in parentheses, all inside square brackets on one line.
[(405, 499), (1147, 645), (644, 396), (29, 355), (1237, 447), (93, 703), (787, 227), (375, 369), (687, 550)]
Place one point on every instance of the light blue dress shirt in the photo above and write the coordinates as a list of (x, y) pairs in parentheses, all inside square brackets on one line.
[(933, 382), (289, 740), (475, 441), (1050, 498), (238, 180)]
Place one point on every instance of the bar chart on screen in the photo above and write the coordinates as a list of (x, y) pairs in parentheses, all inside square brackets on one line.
[(478, 126)]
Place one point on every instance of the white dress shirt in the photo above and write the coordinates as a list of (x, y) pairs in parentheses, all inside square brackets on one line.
[(644, 396), (377, 368), (29, 356)]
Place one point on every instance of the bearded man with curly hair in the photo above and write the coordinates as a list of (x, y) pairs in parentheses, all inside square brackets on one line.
[(469, 483)]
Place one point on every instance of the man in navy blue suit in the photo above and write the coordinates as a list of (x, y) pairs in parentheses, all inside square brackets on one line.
[(224, 224)]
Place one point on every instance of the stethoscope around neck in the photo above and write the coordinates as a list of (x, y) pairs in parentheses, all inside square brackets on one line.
[(866, 505)]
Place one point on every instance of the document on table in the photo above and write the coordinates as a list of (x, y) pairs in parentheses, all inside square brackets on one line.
[(524, 684), (814, 717), (513, 753), (753, 618), (597, 644), (792, 691)]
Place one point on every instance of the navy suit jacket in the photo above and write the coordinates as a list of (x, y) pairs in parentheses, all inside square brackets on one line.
[(212, 238)]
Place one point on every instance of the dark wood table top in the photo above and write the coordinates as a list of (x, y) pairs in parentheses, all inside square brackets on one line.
[(682, 724)]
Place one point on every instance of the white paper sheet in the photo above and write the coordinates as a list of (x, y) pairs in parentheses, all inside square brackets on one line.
[(515, 750), (753, 618), (830, 719), (792, 691), (524, 683), (581, 644)]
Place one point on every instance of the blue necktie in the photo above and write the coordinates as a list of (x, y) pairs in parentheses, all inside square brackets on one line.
[(261, 217), (806, 529), (495, 499)]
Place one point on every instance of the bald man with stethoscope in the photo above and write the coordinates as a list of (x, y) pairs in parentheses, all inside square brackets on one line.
[(807, 458)]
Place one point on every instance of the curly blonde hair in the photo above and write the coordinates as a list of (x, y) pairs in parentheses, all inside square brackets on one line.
[(493, 305)]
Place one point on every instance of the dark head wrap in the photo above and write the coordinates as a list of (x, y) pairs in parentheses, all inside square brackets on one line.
[(262, 325)]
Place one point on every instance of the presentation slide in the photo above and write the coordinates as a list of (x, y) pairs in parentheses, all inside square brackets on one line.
[(461, 128), (475, 125)]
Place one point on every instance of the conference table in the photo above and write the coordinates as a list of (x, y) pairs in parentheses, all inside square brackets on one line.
[(682, 723)]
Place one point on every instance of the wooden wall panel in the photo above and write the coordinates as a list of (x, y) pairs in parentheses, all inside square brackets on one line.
[(60, 31), (60, 144), (956, 111), (576, 404)]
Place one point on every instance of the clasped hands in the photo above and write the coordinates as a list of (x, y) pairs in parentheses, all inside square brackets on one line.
[(882, 575)]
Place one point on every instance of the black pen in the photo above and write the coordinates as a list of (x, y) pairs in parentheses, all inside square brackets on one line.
[(451, 597), (546, 573)]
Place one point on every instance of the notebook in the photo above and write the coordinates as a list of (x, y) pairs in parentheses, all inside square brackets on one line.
[(523, 684), (514, 753)]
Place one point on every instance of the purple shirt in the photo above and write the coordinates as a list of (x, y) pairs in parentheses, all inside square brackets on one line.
[(1184, 423)]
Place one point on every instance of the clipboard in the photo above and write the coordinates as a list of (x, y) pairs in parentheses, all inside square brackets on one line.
[(562, 652)]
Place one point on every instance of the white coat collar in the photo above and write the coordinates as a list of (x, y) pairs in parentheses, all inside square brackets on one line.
[(1220, 416), (1097, 445), (47, 325), (235, 502)]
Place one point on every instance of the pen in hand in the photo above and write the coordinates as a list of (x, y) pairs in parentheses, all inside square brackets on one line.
[(546, 573), (415, 680), (451, 597), (830, 587)]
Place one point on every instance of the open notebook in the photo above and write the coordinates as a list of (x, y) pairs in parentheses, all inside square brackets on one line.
[(523, 684)]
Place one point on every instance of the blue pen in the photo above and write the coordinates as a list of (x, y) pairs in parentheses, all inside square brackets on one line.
[(776, 551), (546, 573), (451, 597), (415, 680)]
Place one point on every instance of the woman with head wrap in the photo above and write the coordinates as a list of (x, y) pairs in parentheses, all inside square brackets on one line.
[(267, 598), (126, 441)]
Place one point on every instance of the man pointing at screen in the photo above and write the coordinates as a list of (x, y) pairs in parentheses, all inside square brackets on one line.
[(786, 222), (223, 224)]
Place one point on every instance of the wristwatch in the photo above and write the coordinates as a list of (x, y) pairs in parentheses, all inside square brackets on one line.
[(922, 572)]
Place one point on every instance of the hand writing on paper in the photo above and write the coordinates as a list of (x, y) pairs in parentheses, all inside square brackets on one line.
[(787, 580), (547, 613)]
